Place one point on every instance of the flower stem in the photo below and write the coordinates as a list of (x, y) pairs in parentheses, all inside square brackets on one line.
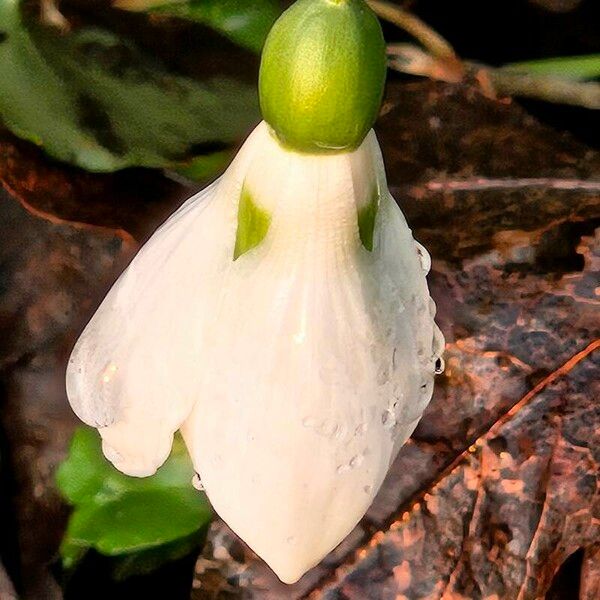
[(408, 58), (431, 39)]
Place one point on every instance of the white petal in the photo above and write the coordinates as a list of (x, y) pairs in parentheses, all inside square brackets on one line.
[(314, 378), (299, 369), (134, 372)]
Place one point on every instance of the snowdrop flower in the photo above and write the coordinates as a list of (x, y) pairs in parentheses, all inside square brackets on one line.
[(280, 318)]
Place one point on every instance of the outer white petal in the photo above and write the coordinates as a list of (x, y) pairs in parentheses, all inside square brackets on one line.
[(319, 357), (307, 361), (135, 371)]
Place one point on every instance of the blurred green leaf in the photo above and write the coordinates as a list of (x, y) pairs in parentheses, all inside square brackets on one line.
[(246, 22), (204, 167), (94, 100), (578, 68), (143, 563), (144, 522)]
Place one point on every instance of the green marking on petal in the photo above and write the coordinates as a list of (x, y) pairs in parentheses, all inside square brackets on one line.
[(366, 221), (253, 224)]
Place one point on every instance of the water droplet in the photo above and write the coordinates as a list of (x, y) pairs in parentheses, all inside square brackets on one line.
[(362, 428), (327, 428), (438, 341), (197, 482), (387, 419), (111, 453), (356, 461), (309, 422), (383, 376), (440, 365), (424, 257), (432, 307), (342, 469), (291, 539), (340, 432), (398, 394)]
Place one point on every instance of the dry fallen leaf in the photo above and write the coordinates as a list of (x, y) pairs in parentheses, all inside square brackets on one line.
[(499, 484)]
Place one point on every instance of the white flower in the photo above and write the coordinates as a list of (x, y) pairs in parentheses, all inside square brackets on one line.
[(295, 371)]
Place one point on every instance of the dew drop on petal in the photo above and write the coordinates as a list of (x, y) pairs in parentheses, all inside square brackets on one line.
[(111, 453), (432, 307), (197, 482), (309, 422), (360, 429), (383, 376), (440, 365), (340, 432), (356, 461), (387, 419), (424, 257), (328, 429)]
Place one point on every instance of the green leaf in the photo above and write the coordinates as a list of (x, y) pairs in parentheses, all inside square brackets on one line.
[(202, 168), (568, 67), (252, 224), (144, 562), (95, 100), (145, 521), (137, 520), (245, 22)]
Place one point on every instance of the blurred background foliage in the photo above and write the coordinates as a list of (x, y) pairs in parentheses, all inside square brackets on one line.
[(171, 84), (92, 97)]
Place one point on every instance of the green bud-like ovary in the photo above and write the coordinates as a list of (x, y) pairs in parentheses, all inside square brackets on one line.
[(322, 75)]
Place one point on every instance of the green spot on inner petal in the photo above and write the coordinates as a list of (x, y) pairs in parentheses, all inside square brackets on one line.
[(253, 224), (366, 221)]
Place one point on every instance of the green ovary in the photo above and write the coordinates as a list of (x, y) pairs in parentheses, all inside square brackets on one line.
[(322, 75)]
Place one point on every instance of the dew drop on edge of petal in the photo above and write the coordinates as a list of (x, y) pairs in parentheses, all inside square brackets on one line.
[(197, 482), (440, 365), (424, 257)]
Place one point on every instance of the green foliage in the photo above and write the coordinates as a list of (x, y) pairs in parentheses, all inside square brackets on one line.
[(95, 100), (246, 22), (252, 225), (142, 522), (201, 168), (578, 68)]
